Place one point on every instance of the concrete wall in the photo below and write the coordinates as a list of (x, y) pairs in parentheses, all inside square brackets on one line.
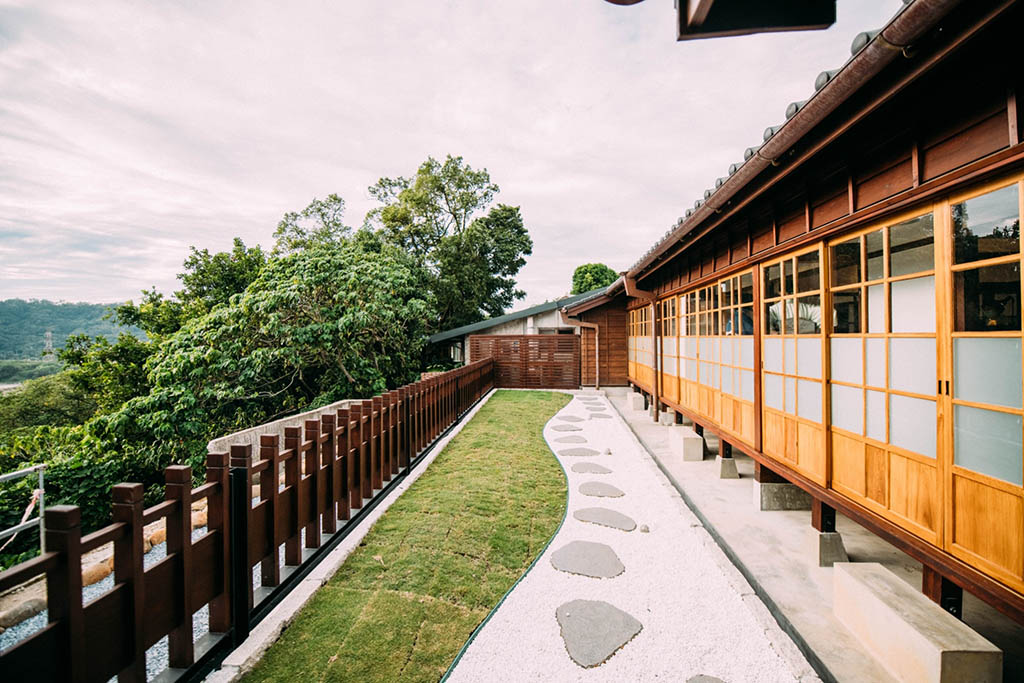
[(252, 435)]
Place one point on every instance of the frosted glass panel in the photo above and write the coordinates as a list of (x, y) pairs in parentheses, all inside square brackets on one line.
[(773, 354), (809, 399), (913, 305), (690, 347), (668, 365), (727, 351), (747, 384), (790, 395), (848, 408), (875, 350), (912, 365), (808, 357), (912, 424), (846, 360), (789, 350), (987, 370), (691, 370), (747, 352), (773, 391), (875, 415), (706, 352), (988, 442), (714, 349), (876, 309), (727, 379)]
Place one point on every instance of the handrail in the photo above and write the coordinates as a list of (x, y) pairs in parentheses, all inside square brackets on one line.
[(26, 522)]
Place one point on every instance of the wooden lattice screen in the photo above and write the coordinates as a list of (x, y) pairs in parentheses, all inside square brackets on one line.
[(531, 361)]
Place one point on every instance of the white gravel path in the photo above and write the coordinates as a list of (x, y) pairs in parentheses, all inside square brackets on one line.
[(699, 616)]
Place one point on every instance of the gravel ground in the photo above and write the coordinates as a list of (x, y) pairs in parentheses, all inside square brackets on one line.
[(699, 616)]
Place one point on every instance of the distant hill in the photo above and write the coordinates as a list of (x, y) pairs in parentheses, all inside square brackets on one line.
[(23, 325)]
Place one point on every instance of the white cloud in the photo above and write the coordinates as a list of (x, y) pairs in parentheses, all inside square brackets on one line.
[(129, 131)]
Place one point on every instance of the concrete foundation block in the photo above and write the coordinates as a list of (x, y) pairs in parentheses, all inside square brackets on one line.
[(686, 442), (636, 401), (727, 468), (780, 496), (830, 548), (667, 418), (911, 636)]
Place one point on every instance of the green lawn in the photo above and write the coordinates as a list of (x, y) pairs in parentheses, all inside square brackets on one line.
[(438, 560)]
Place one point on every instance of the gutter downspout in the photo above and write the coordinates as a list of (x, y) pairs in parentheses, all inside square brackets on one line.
[(652, 298), (576, 322)]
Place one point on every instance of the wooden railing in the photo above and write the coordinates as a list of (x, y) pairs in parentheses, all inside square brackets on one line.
[(312, 489)]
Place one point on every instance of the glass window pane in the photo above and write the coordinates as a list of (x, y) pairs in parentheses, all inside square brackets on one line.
[(726, 296), (747, 352), (875, 415), (787, 276), (808, 276), (846, 263), (876, 309), (727, 379), (790, 395), (846, 311), (987, 226), (912, 365), (912, 424), (773, 391), (702, 300), (809, 399), (988, 442), (911, 246), (747, 385), (714, 325), (987, 370), (690, 347), (773, 318), (789, 351), (773, 355), (987, 299), (874, 256), (808, 357), (714, 297), (691, 370), (705, 374), (706, 352), (913, 305), (848, 408), (874, 350), (727, 352), (747, 288), (846, 360), (790, 317), (808, 315), (747, 320)]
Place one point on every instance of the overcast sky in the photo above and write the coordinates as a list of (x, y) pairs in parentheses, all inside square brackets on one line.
[(131, 130)]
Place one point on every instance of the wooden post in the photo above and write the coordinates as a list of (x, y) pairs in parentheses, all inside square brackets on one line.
[(178, 487), (344, 463), (355, 412), (764, 475), (270, 488), (402, 431), (217, 523), (724, 447), (241, 456), (365, 443), (941, 590), (376, 408), (823, 516), (393, 411), (128, 570), (293, 480), (332, 488), (64, 586), (312, 466)]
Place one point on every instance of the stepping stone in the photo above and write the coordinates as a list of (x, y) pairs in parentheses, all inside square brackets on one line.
[(573, 438), (585, 452), (585, 558), (590, 468), (571, 418), (704, 679), (605, 517), (594, 630), (567, 428), (595, 408), (600, 490), (589, 401), (600, 416)]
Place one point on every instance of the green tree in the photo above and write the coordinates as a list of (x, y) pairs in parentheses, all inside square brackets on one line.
[(53, 400), (109, 374), (591, 276), (322, 222), (472, 257)]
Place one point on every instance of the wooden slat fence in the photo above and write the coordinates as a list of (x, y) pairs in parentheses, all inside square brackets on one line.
[(531, 361), (334, 470)]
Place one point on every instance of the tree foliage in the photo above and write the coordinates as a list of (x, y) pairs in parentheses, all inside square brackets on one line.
[(23, 325), (591, 276)]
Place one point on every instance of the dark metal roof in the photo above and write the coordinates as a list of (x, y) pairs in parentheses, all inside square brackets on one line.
[(515, 315)]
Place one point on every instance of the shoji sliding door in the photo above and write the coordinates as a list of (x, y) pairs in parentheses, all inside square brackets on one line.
[(669, 349), (736, 355), (985, 520)]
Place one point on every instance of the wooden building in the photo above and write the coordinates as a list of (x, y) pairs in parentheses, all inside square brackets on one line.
[(845, 305)]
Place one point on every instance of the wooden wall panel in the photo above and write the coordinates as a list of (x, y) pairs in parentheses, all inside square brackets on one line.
[(987, 523), (613, 319), (974, 142)]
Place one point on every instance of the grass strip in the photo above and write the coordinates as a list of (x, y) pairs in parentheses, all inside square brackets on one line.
[(438, 560)]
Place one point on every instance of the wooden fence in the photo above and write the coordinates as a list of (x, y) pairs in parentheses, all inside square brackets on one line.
[(334, 470), (531, 361)]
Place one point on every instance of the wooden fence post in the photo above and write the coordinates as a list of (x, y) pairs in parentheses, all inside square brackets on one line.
[(355, 413), (344, 462), (64, 585), (293, 480), (375, 442), (178, 486), (217, 523), (241, 458), (128, 570), (315, 503), (332, 492), (403, 428), (270, 490)]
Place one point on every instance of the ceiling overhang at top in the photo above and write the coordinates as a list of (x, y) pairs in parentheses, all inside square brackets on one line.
[(713, 18)]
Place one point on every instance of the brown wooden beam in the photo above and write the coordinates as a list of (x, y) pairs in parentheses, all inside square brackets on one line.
[(941, 590), (823, 516)]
